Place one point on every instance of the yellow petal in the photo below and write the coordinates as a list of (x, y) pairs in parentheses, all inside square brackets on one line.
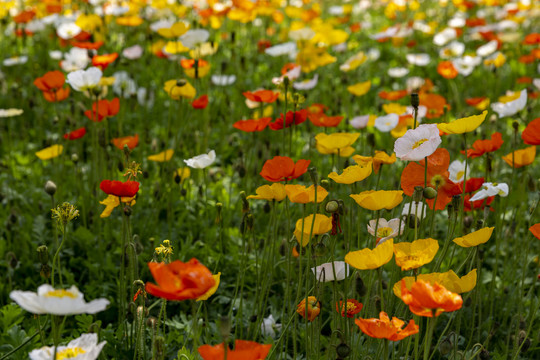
[(50, 152), (302, 195), (352, 173), (463, 125), (213, 289), (475, 238), (410, 256), (521, 157), (110, 203), (377, 200), (162, 156), (367, 259), (276, 191), (360, 88), (321, 224), (447, 279)]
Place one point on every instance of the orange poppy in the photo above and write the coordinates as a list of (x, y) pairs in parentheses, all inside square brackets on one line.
[(434, 103), (480, 147), (531, 134), (524, 80), (265, 96), (179, 281), (383, 328), (56, 95), (475, 100), (103, 109), (130, 141), (24, 16), (474, 22), (296, 118), (393, 95), (437, 178), (201, 102), (243, 350), (532, 39), (102, 61), (447, 70), (51, 84), (283, 168), (526, 59), (323, 120), (88, 45), (429, 300), (313, 309), (75, 134), (252, 125), (521, 157), (535, 230), (350, 308)]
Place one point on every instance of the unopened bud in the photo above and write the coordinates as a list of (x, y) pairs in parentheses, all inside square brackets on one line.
[(219, 207), (418, 194), (50, 188), (343, 350), (313, 175), (12, 260), (515, 125), (181, 82), (325, 184), (415, 100), (43, 254), (332, 206), (75, 158), (429, 193), (45, 271), (245, 203)]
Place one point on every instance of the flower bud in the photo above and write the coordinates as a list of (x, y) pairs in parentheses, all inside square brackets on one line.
[(50, 188), (418, 194), (325, 183), (319, 249), (75, 158), (11, 259), (181, 82), (332, 206), (43, 254), (219, 207), (343, 350), (45, 271), (515, 125), (313, 175), (415, 100), (245, 203), (446, 346), (429, 193)]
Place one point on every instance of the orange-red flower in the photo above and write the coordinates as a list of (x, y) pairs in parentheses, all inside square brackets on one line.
[(350, 308), (24, 16), (531, 134), (447, 70), (429, 300), (383, 328), (535, 230), (437, 178), (200, 103), (252, 125), (243, 350), (75, 134), (130, 141), (103, 109), (480, 147), (434, 103), (532, 39), (88, 45), (265, 96), (51, 84), (323, 120), (313, 308), (296, 118), (179, 281), (393, 95), (102, 61), (119, 188), (283, 168)]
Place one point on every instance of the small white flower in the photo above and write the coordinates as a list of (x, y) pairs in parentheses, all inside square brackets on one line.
[(15, 60), (444, 37), (75, 59), (457, 171), (56, 54), (201, 161), (386, 229), (422, 112), (398, 72), (491, 189), (418, 143), (68, 31), (287, 48), (307, 84), (487, 49), (415, 83), (223, 80), (49, 300), (359, 122), (123, 84), (418, 59), (387, 122), (512, 107), (292, 74), (85, 347), (456, 22), (388, 33), (415, 208), (454, 49), (192, 38), (161, 24), (325, 272), (466, 64), (336, 10), (269, 327), (133, 52), (84, 80), (5, 113)]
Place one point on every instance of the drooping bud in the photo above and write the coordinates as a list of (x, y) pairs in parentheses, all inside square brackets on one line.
[(332, 206), (50, 187), (245, 203)]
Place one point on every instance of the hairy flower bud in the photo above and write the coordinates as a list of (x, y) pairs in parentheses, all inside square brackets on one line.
[(50, 187)]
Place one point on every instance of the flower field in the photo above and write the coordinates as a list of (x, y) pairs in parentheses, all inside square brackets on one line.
[(269, 179)]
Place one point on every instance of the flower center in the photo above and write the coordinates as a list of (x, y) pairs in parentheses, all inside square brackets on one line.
[(418, 143), (437, 181), (69, 353), (350, 307), (383, 232), (60, 294), (460, 174)]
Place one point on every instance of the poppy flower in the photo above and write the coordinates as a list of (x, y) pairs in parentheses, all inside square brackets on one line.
[(243, 350), (252, 125), (463, 125), (265, 96), (359, 89), (520, 158), (24, 16), (477, 204), (84, 80), (201, 161), (491, 189), (296, 118), (313, 308), (103, 61), (377, 200), (195, 68), (325, 272), (475, 238), (350, 308), (535, 230), (385, 229), (377, 160), (383, 328), (321, 225), (393, 95), (112, 201), (480, 147), (51, 84), (531, 134), (480, 103), (103, 109), (301, 195), (84, 347), (50, 152), (429, 300), (177, 89), (212, 290), (532, 39), (275, 191), (88, 45), (283, 168), (201, 102), (510, 105), (130, 141), (162, 156), (180, 281), (75, 134), (418, 143), (472, 185), (336, 143), (412, 255), (447, 279), (352, 174), (367, 259), (118, 188), (323, 120), (437, 178), (435, 104)]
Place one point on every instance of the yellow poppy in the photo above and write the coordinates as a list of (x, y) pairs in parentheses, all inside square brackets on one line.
[(360, 89), (463, 125), (413, 255), (394, 108), (352, 174), (302, 195), (129, 20), (312, 57), (178, 29), (379, 159), (202, 71), (175, 47), (447, 279), (475, 238), (50, 152), (177, 89), (322, 224), (162, 156), (377, 200), (522, 157), (276, 191), (112, 201), (183, 173), (213, 289), (367, 259), (336, 143)]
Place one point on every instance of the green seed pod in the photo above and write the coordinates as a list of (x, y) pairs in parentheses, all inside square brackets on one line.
[(429, 193)]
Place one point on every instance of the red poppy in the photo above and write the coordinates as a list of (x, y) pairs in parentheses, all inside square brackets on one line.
[(51, 84), (252, 125), (180, 281), (296, 118), (524, 80), (24, 16), (119, 188), (447, 70), (480, 147), (130, 141), (531, 134), (243, 350), (103, 109), (316, 109), (88, 45), (393, 95), (526, 59), (75, 134), (102, 61), (283, 168), (475, 100), (265, 96), (355, 27), (532, 39), (263, 44), (473, 184), (478, 204), (201, 102), (535, 230), (323, 120), (350, 308), (288, 67), (473, 22), (437, 178)]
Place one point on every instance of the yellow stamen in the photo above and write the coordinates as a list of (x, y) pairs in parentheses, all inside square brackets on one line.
[(61, 293), (69, 353), (418, 143)]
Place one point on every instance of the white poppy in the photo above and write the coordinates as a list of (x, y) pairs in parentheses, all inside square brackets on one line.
[(387, 122), (35, 26), (85, 347), (292, 74), (223, 80), (487, 49), (307, 84), (201, 161), (415, 83), (123, 84), (84, 80), (418, 59), (414, 208), (373, 54), (386, 229), (444, 37), (115, 9), (68, 31), (388, 33), (359, 122), (466, 64), (15, 60), (423, 27), (56, 54), (512, 107), (456, 22), (133, 52), (398, 72), (418, 143), (269, 327), (325, 272), (194, 37), (454, 49), (4, 113), (536, 83), (422, 112), (161, 24), (491, 189), (75, 59), (287, 48), (339, 48), (457, 171), (301, 34), (49, 300), (336, 10)]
